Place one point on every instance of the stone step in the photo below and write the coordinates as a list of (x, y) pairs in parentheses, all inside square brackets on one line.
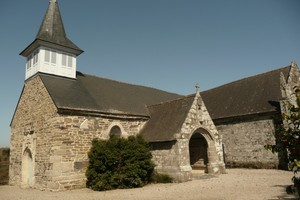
[(200, 174)]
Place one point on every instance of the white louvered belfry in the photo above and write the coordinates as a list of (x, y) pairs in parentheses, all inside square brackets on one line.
[(51, 61), (51, 52)]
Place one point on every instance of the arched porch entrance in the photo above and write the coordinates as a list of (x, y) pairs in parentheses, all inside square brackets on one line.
[(27, 169), (202, 151)]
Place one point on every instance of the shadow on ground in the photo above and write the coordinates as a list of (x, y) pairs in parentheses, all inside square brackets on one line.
[(285, 195)]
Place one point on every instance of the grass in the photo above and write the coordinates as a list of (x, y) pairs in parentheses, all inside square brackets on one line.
[(4, 165)]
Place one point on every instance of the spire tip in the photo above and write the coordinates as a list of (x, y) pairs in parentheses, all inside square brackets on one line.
[(197, 87)]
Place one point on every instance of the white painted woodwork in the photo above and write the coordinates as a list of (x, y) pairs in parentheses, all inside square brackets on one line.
[(58, 63)]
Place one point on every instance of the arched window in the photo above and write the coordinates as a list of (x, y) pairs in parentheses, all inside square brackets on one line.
[(115, 131)]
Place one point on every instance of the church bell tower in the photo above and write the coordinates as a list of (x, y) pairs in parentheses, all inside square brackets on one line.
[(51, 52)]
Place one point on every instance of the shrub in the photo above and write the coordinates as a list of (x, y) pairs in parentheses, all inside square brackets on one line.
[(161, 178), (289, 138), (4, 166), (119, 163)]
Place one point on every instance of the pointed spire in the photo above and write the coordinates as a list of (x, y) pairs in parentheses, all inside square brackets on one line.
[(52, 26), (52, 32)]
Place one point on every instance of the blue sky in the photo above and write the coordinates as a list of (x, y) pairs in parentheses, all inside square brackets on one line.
[(166, 44)]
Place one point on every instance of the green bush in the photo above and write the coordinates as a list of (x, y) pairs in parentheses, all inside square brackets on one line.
[(119, 163), (289, 137), (161, 178), (4, 165)]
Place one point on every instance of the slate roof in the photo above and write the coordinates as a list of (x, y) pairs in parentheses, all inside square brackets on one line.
[(91, 93), (252, 95), (167, 111), (52, 32), (166, 119)]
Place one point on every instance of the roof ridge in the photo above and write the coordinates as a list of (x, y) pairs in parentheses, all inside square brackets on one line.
[(54, 75), (91, 92), (249, 77), (170, 101), (130, 84)]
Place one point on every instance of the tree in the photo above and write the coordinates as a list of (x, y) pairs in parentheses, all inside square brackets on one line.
[(289, 138)]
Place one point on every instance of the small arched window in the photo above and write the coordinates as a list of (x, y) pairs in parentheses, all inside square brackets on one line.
[(115, 131)]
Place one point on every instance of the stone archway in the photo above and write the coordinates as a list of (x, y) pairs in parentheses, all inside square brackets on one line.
[(27, 169), (198, 152), (202, 149)]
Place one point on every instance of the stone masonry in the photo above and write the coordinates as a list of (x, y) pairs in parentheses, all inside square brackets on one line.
[(49, 148), (244, 137), (62, 140), (197, 121), (31, 116), (244, 143)]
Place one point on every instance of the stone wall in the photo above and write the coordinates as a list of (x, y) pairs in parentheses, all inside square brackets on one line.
[(244, 142), (58, 143), (71, 141), (30, 129), (166, 159), (244, 137)]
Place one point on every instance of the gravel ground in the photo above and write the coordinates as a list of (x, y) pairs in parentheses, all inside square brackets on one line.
[(240, 184)]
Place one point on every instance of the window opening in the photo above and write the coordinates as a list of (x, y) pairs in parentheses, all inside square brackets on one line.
[(115, 131)]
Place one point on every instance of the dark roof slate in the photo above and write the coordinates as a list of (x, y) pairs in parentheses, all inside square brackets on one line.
[(97, 94), (52, 28), (52, 32), (166, 119), (252, 95)]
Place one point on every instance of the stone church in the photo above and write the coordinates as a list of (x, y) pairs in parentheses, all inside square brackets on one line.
[(60, 111)]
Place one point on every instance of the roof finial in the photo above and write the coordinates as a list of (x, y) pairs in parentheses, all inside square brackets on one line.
[(197, 87)]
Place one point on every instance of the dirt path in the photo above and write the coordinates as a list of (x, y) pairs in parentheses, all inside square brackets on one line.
[(240, 184)]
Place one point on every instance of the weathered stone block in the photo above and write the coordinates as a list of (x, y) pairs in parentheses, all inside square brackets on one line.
[(81, 165), (55, 159), (53, 185)]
